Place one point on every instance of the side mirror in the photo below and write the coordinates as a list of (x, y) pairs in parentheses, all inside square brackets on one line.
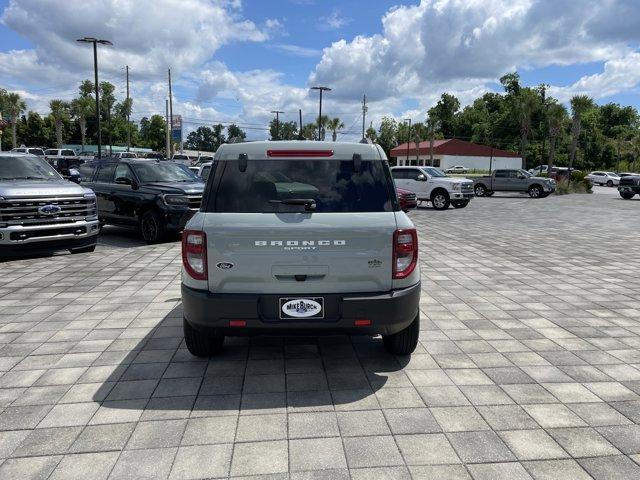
[(126, 181), (422, 177), (75, 179), (521, 177)]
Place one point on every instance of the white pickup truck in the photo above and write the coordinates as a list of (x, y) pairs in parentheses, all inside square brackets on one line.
[(431, 185)]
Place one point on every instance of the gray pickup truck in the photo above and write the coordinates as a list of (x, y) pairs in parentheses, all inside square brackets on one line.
[(41, 211), (515, 180)]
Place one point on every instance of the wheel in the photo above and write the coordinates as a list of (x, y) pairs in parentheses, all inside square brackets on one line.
[(199, 344), (440, 200), (151, 228), (609, 183), (627, 196), (405, 341), (460, 204), (82, 249), (535, 191), (480, 190)]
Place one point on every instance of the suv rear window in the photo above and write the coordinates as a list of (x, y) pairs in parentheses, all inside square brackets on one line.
[(334, 185)]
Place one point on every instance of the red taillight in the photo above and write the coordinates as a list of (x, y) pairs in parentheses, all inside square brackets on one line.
[(405, 252), (237, 323), (299, 153), (194, 254), (362, 322)]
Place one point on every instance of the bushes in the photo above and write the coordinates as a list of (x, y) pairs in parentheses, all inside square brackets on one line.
[(576, 184)]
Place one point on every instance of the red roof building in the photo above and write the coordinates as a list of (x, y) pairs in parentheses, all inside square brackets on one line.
[(450, 152)]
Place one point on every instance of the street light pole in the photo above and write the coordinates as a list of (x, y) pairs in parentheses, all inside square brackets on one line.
[(277, 112), (408, 139), (321, 89), (95, 42)]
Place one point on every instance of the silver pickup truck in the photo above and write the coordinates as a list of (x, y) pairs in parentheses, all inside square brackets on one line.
[(514, 180), (41, 211)]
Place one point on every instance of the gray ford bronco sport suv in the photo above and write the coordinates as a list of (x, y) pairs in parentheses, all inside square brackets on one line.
[(300, 238)]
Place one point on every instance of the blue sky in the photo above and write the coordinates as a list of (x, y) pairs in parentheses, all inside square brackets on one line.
[(236, 60)]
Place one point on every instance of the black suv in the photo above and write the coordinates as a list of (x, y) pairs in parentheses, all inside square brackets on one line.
[(156, 197), (629, 186)]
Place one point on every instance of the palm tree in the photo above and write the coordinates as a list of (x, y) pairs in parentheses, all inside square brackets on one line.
[(309, 131), (556, 114), (334, 125), (14, 106), (59, 112), (579, 105), (81, 108), (323, 126), (432, 124), (526, 104)]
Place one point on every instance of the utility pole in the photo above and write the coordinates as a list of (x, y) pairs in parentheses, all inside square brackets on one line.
[(364, 113), (408, 138), (300, 137), (168, 129), (128, 113), (321, 89), (170, 116), (95, 42), (277, 112)]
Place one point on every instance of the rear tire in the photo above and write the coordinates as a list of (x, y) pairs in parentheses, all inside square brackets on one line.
[(440, 200), (609, 184), (199, 344), (627, 196), (405, 341), (460, 204), (151, 227)]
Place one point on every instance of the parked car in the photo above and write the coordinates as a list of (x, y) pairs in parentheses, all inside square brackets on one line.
[(195, 170), (457, 169), (121, 155), (300, 238), (40, 211), (629, 186), (514, 180), (153, 155), (628, 174), (87, 156), (540, 169), (609, 179), (52, 154), (32, 150), (182, 158), (431, 185), (204, 170), (203, 159), (407, 200), (156, 197)]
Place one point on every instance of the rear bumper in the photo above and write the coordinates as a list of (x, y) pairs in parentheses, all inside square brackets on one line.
[(389, 313)]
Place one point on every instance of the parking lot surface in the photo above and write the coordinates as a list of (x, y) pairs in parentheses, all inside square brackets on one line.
[(528, 364)]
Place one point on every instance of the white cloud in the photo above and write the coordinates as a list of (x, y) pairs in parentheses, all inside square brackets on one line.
[(460, 45), (297, 50), (333, 21)]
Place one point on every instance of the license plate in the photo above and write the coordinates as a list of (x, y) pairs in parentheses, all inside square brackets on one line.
[(301, 308)]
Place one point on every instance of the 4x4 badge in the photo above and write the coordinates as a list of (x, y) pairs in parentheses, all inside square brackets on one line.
[(225, 265)]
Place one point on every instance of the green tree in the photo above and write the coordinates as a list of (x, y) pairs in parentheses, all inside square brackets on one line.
[(445, 113), (59, 113), (371, 134), (285, 130), (235, 132), (107, 100), (201, 139), (152, 132), (556, 115), (388, 134), (324, 120), (580, 104), (526, 105), (309, 131), (14, 106), (81, 109), (334, 125)]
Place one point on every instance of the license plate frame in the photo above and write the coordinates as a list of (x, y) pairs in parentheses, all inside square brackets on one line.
[(300, 313)]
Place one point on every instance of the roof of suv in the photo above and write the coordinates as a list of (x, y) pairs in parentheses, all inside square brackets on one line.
[(339, 149)]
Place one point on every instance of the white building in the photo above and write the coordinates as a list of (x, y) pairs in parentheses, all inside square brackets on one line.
[(451, 152)]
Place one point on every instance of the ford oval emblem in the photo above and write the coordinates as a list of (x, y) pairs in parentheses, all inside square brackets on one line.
[(224, 265), (49, 209), (301, 307)]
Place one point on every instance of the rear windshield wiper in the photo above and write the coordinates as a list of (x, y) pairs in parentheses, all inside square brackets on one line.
[(309, 203)]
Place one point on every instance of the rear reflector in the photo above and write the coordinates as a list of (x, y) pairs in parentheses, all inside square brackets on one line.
[(299, 153), (362, 322), (237, 323)]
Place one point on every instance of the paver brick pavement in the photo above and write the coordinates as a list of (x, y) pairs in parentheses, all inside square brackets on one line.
[(528, 364)]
